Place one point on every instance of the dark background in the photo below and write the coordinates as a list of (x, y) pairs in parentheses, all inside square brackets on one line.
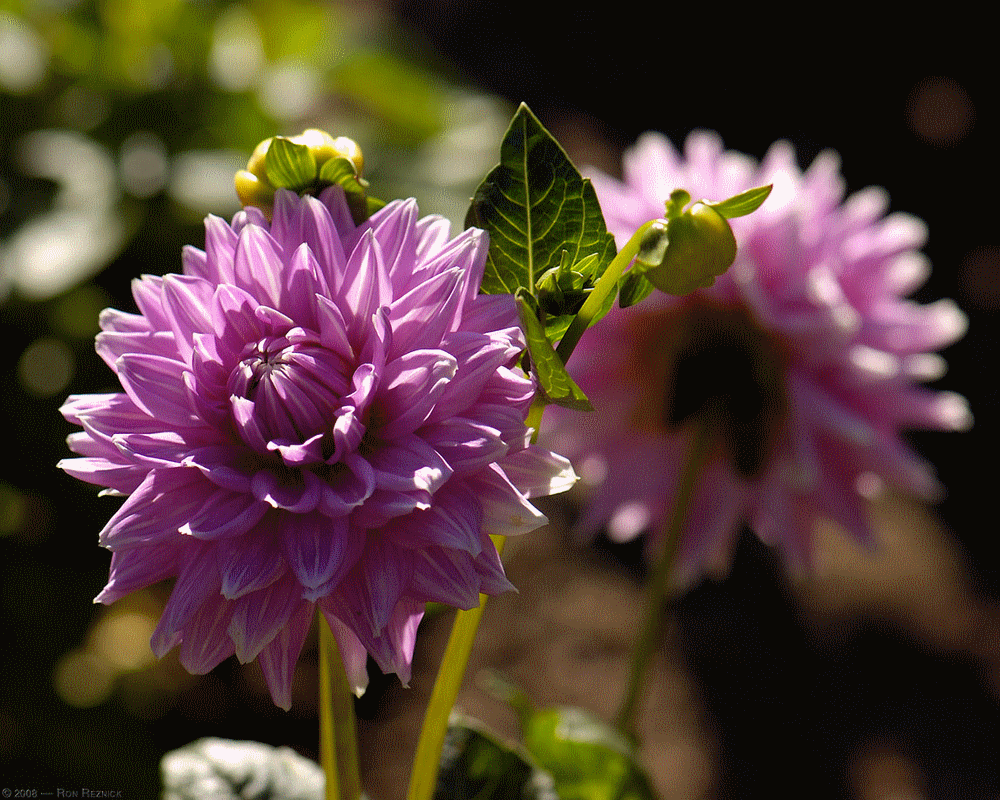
[(907, 108)]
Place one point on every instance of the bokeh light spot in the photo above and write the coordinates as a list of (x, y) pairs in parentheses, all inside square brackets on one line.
[(12, 509), (83, 680), (25, 57), (940, 111), (122, 640), (46, 366), (979, 278), (143, 164), (237, 55)]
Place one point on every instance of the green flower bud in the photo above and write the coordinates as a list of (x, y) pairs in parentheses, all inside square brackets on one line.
[(688, 251), (307, 162)]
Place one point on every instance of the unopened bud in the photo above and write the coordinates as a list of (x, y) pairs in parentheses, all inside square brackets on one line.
[(688, 251), (297, 163)]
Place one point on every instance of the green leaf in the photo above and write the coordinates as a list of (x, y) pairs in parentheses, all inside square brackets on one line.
[(475, 765), (289, 165), (634, 288), (744, 203), (588, 759), (535, 204), (554, 381)]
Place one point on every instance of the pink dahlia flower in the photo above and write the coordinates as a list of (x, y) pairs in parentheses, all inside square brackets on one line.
[(315, 414), (803, 360)]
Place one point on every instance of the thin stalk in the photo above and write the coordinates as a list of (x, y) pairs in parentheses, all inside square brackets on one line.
[(337, 724), (606, 284), (423, 778), (657, 588)]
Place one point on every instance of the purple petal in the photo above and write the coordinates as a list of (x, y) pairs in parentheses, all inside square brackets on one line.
[(259, 616), (278, 658), (537, 472), (147, 292), (505, 510), (112, 345), (409, 464), (224, 514), (111, 319), (353, 653), (302, 287), (295, 491), (422, 316), (466, 445), (156, 510), (319, 550), (453, 521), (250, 562), (348, 487), (258, 264), (365, 288), (195, 263), (441, 575), (156, 385), (187, 304), (138, 568), (411, 385), (220, 247), (198, 581), (205, 642)]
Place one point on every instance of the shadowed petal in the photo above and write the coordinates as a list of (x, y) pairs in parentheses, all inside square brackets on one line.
[(320, 551), (278, 658), (259, 616), (250, 562), (138, 568), (206, 644), (198, 581)]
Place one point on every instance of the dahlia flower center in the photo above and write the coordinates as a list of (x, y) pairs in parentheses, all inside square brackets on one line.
[(715, 364), (287, 389)]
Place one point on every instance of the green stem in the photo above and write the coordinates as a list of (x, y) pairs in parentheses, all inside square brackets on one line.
[(534, 419), (337, 724), (606, 284), (423, 778), (658, 584)]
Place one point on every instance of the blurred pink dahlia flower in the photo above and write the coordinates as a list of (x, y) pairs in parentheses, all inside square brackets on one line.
[(315, 414), (803, 360)]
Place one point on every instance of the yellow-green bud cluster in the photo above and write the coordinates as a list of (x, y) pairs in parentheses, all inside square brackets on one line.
[(254, 187)]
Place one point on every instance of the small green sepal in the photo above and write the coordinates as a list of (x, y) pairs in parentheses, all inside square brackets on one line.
[(742, 204), (633, 289), (289, 165), (675, 205)]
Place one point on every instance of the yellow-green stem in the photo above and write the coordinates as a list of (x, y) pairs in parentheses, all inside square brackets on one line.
[(606, 284), (338, 739), (658, 584), (423, 778)]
